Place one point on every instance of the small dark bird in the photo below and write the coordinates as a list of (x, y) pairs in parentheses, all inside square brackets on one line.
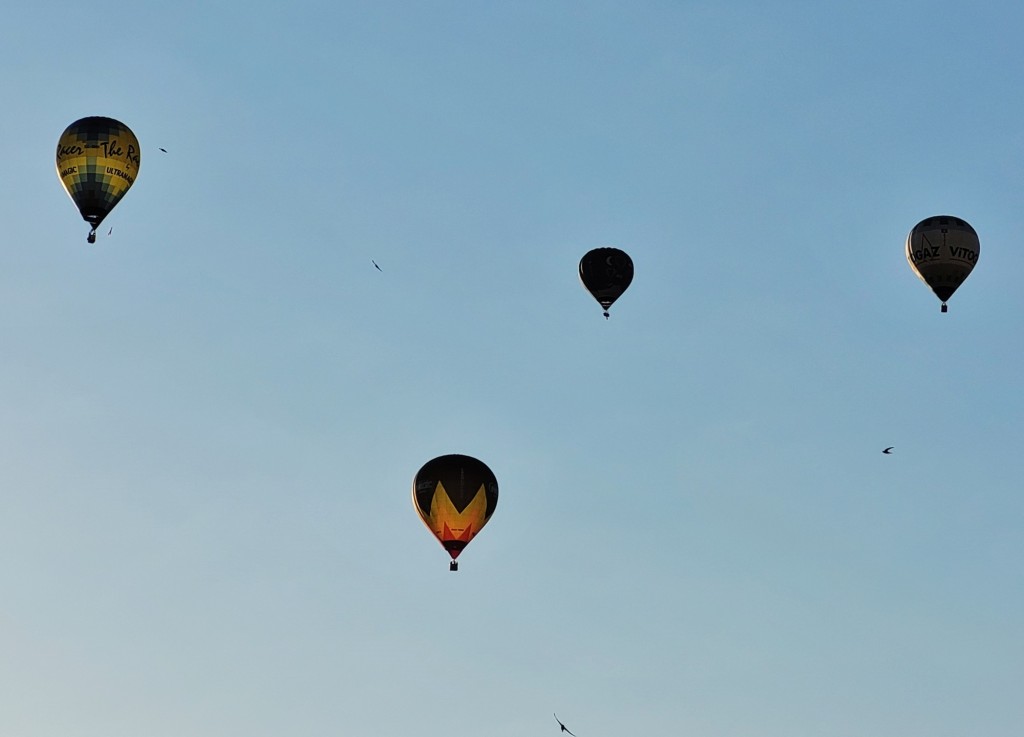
[(110, 231), (164, 150), (564, 728), (375, 264), (888, 451)]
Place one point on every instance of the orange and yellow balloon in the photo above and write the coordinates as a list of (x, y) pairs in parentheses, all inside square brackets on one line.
[(455, 496)]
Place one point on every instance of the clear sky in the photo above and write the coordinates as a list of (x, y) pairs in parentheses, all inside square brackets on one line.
[(210, 419)]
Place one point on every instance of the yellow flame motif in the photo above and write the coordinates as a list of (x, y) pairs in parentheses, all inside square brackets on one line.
[(454, 528)]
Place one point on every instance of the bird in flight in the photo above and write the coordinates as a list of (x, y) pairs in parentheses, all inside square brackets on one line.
[(164, 150), (564, 728), (888, 451), (110, 231), (375, 264)]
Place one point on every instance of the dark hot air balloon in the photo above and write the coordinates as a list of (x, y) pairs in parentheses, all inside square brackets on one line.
[(606, 273), (455, 495), (97, 161), (942, 251)]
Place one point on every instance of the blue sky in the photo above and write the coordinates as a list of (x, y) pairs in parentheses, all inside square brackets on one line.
[(210, 419)]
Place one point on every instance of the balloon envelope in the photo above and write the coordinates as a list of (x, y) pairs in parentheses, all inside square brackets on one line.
[(455, 495), (606, 273), (942, 251), (97, 162)]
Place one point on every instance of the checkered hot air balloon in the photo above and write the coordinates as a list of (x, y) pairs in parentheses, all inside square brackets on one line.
[(97, 162)]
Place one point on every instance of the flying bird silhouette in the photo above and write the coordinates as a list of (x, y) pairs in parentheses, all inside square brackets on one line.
[(110, 231), (375, 264), (564, 728), (164, 150), (888, 451)]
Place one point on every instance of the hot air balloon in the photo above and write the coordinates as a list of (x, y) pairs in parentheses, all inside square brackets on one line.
[(455, 495), (942, 251), (97, 161), (606, 272)]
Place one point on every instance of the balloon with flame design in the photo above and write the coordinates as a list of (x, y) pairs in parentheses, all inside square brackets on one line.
[(455, 496), (942, 251), (97, 162), (606, 273)]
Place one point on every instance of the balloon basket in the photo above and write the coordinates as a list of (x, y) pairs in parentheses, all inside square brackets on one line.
[(453, 566), (944, 307)]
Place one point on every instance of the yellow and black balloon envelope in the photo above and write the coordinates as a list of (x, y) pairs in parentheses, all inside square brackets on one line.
[(606, 273), (942, 251), (455, 496), (97, 162)]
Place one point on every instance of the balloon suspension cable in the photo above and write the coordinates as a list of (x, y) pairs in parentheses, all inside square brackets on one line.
[(92, 236), (944, 307)]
